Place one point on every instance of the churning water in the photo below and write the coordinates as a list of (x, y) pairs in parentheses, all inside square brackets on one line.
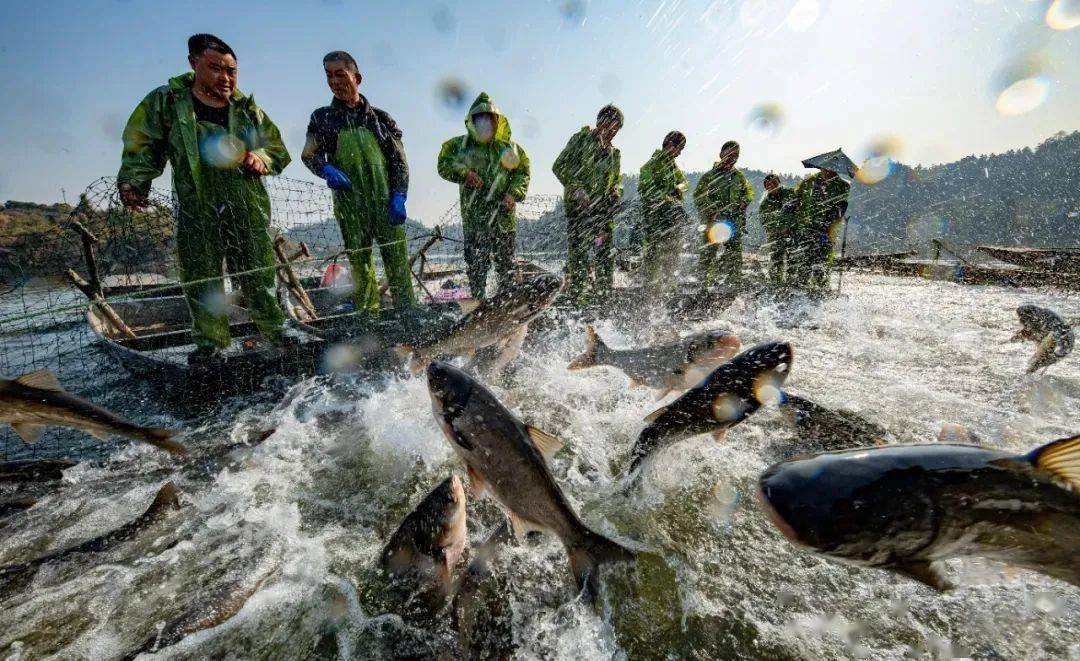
[(291, 528)]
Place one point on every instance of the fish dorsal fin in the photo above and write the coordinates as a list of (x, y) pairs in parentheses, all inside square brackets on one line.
[(467, 305), (655, 414), (28, 433), (547, 444), (43, 379), (1060, 458)]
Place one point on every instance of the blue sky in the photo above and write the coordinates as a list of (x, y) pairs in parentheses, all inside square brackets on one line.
[(843, 72)]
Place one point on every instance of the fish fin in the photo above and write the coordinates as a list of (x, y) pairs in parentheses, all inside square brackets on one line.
[(634, 385), (1045, 348), (27, 432), (163, 439), (587, 556), (42, 379), (510, 349), (1060, 458), (926, 573), (417, 363), (398, 560), (590, 356), (655, 414), (477, 484), (98, 434), (168, 496), (719, 435), (547, 444), (467, 305), (1019, 336), (522, 526), (664, 393)]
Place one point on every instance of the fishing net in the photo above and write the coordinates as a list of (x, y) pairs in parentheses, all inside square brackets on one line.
[(55, 259)]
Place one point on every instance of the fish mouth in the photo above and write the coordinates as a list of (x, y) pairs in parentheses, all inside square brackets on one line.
[(450, 389), (779, 521)]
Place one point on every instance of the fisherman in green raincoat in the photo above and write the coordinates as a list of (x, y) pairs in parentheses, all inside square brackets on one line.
[(219, 144), (589, 170), (492, 172), (721, 197), (661, 187), (822, 202), (777, 213), (357, 149)]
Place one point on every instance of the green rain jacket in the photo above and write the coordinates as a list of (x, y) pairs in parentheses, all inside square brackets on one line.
[(584, 165), (820, 206), (661, 186), (778, 222), (722, 194), (501, 163), (162, 130)]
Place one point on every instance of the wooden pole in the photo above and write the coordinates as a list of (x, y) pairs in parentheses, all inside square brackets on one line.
[(432, 240), (291, 281), (88, 242), (95, 299)]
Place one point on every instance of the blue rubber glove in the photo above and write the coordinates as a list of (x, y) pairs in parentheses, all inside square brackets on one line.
[(335, 178), (397, 208)]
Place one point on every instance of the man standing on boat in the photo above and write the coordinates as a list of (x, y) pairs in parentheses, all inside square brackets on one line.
[(492, 172), (661, 187), (777, 212), (822, 202), (219, 144), (721, 197), (589, 170), (357, 149)]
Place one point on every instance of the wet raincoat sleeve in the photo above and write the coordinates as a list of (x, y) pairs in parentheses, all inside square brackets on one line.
[(146, 143), (449, 165), (519, 180), (315, 154), (271, 148), (568, 160)]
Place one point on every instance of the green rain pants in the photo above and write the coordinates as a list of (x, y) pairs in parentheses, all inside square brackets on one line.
[(230, 223), (590, 257)]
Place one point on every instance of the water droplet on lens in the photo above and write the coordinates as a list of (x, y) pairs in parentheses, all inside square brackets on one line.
[(573, 12), (1063, 14), (766, 119), (452, 94), (802, 16)]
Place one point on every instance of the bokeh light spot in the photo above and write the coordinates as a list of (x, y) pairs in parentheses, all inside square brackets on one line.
[(721, 232), (510, 159), (452, 94), (766, 119), (727, 407), (802, 15), (1063, 14), (222, 150), (1023, 96)]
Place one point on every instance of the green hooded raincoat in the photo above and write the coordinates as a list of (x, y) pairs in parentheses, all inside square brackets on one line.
[(592, 181), (503, 166), (822, 204), (661, 187), (722, 197), (222, 211)]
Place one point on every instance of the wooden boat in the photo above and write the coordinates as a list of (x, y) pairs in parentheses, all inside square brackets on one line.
[(872, 260), (162, 342), (1048, 259), (135, 283), (954, 270)]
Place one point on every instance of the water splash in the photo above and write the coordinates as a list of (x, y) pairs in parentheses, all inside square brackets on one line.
[(803, 15)]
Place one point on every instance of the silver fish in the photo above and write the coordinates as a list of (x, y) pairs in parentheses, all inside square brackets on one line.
[(507, 460)]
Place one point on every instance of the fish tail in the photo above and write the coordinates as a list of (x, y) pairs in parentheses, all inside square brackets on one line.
[(591, 356), (163, 438), (589, 553)]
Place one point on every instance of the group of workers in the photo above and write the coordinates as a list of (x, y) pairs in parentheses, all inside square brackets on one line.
[(220, 144)]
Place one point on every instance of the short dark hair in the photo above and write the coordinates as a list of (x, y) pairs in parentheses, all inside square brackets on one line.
[(341, 56), (609, 114), (675, 138), (730, 144), (771, 177), (197, 44)]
